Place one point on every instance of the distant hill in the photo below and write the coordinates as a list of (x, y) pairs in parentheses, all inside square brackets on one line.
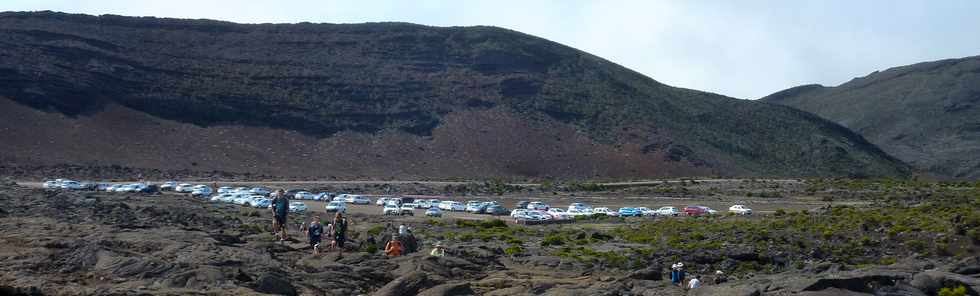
[(926, 114), (379, 100)]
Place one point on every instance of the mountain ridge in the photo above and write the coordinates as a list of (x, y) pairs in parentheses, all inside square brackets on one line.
[(924, 113), (400, 85)]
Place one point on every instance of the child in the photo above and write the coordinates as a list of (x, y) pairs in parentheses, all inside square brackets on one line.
[(315, 232)]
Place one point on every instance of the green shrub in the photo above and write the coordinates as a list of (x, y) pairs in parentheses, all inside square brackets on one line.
[(371, 249), (513, 250), (958, 291), (375, 230), (553, 239)]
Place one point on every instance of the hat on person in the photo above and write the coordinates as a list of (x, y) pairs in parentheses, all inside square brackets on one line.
[(680, 264), (719, 272)]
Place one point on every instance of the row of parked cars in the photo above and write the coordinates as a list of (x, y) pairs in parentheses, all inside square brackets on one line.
[(539, 211)]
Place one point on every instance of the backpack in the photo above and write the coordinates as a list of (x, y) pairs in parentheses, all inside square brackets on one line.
[(340, 227)]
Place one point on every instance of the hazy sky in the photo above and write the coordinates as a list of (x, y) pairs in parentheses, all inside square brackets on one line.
[(745, 49)]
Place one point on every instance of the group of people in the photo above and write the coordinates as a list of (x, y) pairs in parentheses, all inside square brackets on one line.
[(678, 272), (336, 230)]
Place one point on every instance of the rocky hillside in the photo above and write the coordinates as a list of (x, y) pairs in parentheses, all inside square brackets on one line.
[(379, 100), (927, 114)]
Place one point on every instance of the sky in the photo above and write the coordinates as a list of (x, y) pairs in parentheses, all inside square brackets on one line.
[(745, 49)]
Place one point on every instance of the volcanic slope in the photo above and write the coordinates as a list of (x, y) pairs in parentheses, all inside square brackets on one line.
[(926, 114), (379, 100)]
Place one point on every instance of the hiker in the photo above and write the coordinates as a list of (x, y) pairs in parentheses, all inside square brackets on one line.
[(438, 250), (280, 208), (394, 247), (694, 283), (720, 277), (315, 231), (340, 226), (677, 274)]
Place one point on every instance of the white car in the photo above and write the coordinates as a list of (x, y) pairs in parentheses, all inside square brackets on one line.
[(558, 214), (184, 188), (324, 196), (201, 190), (336, 206), (69, 184), (537, 205), (474, 206), (455, 206), (358, 200), (577, 212), (304, 195), (579, 206), (225, 189), (740, 209), (605, 211), (645, 211), (422, 204), (221, 197), (112, 188), (260, 191), (51, 185), (297, 207), (668, 211), (381, 201), (390, 210), (408, 209), (167, 186)]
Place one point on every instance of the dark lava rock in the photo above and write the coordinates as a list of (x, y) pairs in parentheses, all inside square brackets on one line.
[(967, 266), (275, 284), (409, 284), (649, 273), (455, 289)]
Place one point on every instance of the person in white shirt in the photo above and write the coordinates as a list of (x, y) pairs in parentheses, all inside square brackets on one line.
[(694, 283)]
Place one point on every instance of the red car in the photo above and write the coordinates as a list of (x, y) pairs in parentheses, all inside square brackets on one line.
[(698, 210)]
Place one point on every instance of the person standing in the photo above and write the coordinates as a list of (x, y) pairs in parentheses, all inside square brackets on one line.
[(340, 226), (315, 232), (280, 208), (677, 274)]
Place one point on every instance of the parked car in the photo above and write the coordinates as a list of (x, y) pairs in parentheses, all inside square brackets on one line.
[(645, 211), (537, 205), (184, 188), (201, 190), (433, 212), (475, 207), (629, 212), (71, 185), (536, 216), (336, 206), (51, 185), (303, 195), (452, 206), (558, 214), (522, 204), (113, 188), (260, 191), (496, 210), (241, 190), (326, 196), (577, 212), (434, 203), (168, 186), (579, 206), (422, 204), (408, 209), (225, 189), (261, 203), (605, 211), (358, 200), (381, 201), (668, 211), (740, 210), (390, 209), (297, 207)]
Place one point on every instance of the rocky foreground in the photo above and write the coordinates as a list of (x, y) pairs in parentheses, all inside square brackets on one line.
[(79, 243)]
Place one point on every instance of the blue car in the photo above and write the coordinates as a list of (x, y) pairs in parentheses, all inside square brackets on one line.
[(262, 203), (629, 212)]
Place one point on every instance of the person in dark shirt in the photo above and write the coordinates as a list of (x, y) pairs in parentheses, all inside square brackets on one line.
[(315, 232), (340, 226), (280, 208)]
